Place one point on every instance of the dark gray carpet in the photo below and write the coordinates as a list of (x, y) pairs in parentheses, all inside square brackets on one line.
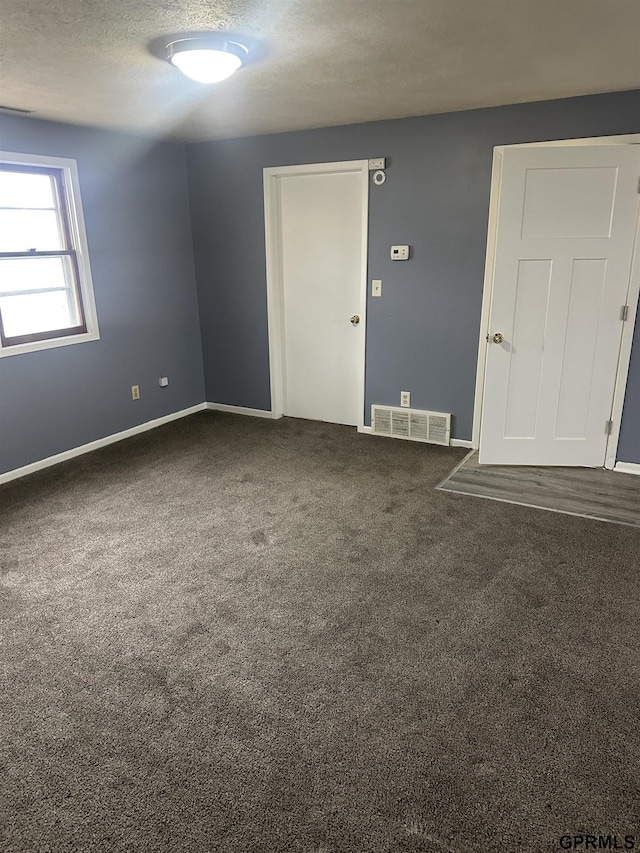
[(247, 636)]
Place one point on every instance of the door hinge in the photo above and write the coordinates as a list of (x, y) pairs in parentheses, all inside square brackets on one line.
[(624, 313), (608, 428)]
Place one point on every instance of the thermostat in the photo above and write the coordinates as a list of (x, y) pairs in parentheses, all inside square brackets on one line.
[(379, 177), (399, 253)]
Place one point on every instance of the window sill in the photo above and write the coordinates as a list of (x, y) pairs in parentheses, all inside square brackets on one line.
[(35, 346)]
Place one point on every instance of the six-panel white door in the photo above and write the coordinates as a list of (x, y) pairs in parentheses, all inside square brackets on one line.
[(322, 227), (566, 227)]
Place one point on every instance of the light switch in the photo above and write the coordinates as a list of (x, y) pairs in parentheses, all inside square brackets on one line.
[(376, 287)]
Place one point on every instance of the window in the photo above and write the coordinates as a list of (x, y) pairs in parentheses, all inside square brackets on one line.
[(46, 297)]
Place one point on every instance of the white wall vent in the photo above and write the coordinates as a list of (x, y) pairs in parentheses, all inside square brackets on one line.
[(412, 424)]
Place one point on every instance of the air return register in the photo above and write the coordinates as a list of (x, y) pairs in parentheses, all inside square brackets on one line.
[(411, 424)]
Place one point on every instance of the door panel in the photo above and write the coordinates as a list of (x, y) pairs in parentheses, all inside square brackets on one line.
[(563, 203), (530, 313), (566, 225), (321, 226), (586, 292)]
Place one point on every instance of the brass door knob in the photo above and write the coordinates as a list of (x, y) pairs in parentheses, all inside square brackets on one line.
[(498, 338), (355, 319)]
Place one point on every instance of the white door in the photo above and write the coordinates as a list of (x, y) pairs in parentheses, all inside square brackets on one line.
[(566, 226), (323, 217)]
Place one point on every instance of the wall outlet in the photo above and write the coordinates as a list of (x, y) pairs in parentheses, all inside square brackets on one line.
[(135, 392), (376, 287), (163, 382), (405, 399)]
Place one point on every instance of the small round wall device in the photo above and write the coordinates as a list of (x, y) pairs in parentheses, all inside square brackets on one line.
[(379, 177)]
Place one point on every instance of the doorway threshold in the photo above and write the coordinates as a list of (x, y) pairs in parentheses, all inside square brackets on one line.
[(586, 492)]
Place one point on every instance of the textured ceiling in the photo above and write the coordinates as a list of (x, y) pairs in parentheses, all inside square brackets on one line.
[(326, 62)]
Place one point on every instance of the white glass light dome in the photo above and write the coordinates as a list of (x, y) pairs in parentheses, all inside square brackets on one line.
[(206, 60)]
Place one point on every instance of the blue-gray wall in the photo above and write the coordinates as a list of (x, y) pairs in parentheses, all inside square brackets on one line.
[(629, 441), (136, 208), (422, 335)]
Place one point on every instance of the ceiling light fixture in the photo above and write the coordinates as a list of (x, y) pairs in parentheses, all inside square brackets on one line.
[(207, 59)]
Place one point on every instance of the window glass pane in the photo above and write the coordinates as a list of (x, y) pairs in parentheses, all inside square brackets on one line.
[(22, 230), (25, 189), (34, 273), (37, 312)]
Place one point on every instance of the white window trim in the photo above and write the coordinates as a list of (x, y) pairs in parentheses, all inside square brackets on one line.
[(76, 224)]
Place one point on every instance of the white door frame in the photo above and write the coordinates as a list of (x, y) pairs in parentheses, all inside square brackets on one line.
[(275, 296), (632, 293)]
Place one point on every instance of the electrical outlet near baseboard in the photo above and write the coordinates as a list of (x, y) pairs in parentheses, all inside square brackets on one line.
[(405, 399), (135, 392)]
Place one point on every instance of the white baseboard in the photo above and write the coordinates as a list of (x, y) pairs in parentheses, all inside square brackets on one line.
[(95, 445), (627, 467), (238, 410), (461, 442), (365, 429)]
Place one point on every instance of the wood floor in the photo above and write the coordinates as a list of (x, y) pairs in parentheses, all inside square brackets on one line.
[(588, 492)]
